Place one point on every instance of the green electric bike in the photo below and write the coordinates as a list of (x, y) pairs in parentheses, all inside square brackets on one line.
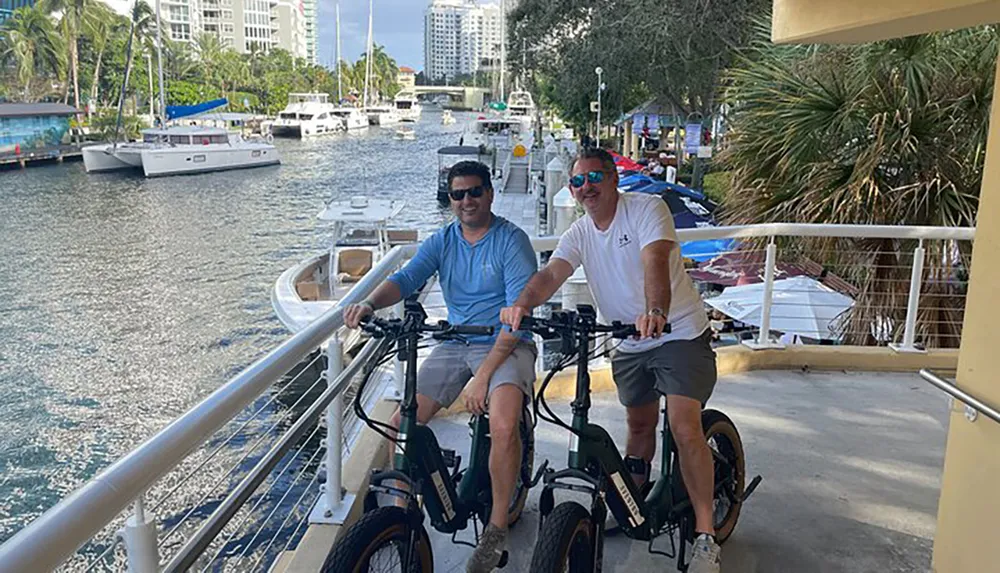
[(423, 475), (571, 536)]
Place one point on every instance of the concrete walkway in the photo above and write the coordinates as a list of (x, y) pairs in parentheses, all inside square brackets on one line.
[(851, 465)]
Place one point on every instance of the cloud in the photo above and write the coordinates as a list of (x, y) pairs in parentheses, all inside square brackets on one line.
[(397, 24)]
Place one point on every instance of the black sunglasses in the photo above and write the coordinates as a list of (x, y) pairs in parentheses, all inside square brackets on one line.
[(474, 192)]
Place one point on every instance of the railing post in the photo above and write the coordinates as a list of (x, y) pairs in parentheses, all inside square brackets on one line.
[(333, 505), (395, 392), (139, 535), (913, 303), (764, 340)]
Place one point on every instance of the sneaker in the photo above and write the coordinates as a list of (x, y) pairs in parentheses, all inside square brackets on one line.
[(487, 554), (706, 555)]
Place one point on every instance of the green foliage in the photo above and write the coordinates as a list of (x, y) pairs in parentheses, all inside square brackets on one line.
[(888, 133), (674, 51), (31, 48), (716, 185), (79, 46), (183, 92), (104, 124)]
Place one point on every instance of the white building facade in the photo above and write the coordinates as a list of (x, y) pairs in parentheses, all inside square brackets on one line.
[(310, 11), (244, 25), (460, 37)]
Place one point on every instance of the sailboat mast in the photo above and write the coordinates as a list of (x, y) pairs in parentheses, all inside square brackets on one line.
[(340, 93), (159, 63), (503, 46), (368, 54)]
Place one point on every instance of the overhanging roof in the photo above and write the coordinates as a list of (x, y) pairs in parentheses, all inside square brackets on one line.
[(35, 109), (855, 21)]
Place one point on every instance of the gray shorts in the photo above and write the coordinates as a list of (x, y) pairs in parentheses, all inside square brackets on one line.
[(679, 367), (449, 367)]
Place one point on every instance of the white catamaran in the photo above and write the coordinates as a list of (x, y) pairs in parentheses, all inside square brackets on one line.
[(178, 149)]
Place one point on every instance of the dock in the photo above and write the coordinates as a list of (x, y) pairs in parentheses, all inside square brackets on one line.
[(56, 154)]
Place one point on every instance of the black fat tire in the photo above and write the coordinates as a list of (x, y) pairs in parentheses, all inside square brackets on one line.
[(719, 427), (375, 530), (565, 542)]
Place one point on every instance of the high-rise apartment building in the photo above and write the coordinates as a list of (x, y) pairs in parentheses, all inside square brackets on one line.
[(291, 22), (244, 25), (311, 32), (460, 37)]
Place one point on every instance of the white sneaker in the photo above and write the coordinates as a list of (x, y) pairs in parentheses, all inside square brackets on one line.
[(706, 555)]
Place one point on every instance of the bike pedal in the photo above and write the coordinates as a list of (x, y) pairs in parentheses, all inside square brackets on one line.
[(449, 457), (753, 485)]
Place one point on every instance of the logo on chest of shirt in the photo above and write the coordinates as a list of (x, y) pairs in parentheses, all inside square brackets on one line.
[(624, 240)]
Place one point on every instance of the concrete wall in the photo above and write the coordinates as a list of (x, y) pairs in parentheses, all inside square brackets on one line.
[(970, 500)]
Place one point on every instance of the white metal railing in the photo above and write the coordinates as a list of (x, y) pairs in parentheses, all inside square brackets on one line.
[(50, 539), (60, 531)]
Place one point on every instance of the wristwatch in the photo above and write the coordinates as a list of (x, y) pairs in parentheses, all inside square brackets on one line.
[(655, 312), (369, 304)]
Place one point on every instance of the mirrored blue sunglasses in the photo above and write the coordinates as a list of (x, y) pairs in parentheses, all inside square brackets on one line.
[(594, 177)]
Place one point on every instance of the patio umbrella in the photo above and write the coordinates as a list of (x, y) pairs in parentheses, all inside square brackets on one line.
[(624, 163), (799, 305)]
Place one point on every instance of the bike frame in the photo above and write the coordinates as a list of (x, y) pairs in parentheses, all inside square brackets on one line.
[(418, 461), (595, 460)]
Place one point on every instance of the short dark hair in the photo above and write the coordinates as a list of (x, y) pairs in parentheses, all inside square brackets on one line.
[(607, 161), (470, 169)]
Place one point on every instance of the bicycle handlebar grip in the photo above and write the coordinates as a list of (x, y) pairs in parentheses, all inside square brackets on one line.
[(472, 330), (622, 330), (528, 322)]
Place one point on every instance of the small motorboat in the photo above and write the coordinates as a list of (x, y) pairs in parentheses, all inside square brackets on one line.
[(406, 133), (360, 237), (448, 156)]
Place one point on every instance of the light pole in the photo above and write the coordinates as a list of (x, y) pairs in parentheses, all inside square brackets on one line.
[(600, 87)]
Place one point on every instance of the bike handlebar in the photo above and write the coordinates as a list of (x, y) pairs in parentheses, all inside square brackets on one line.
[(470, 329), (542, 326), (381, 326)]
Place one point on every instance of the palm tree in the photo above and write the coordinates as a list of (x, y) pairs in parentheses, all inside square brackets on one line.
[(145, 35), (889, 133), (73, 13), (384, 72), (29, 41), (99, 24), (210, 50)]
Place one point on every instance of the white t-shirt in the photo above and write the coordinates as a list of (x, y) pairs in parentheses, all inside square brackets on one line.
[(614, 269)]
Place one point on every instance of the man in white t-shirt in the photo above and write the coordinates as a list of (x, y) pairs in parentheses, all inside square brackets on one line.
[(628, 248)]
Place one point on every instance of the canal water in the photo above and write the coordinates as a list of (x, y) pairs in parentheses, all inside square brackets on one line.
[(125, 300)]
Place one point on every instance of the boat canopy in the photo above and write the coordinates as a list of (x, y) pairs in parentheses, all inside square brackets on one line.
[(179, 111), (361, 210), (460, 150)]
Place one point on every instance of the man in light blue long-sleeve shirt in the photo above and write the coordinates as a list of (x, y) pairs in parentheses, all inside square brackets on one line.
[(483, 261)]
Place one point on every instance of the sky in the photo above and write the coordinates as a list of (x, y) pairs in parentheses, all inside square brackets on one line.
[(398, 25)]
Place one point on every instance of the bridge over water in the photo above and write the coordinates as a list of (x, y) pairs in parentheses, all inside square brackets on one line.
[(460, 97)]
